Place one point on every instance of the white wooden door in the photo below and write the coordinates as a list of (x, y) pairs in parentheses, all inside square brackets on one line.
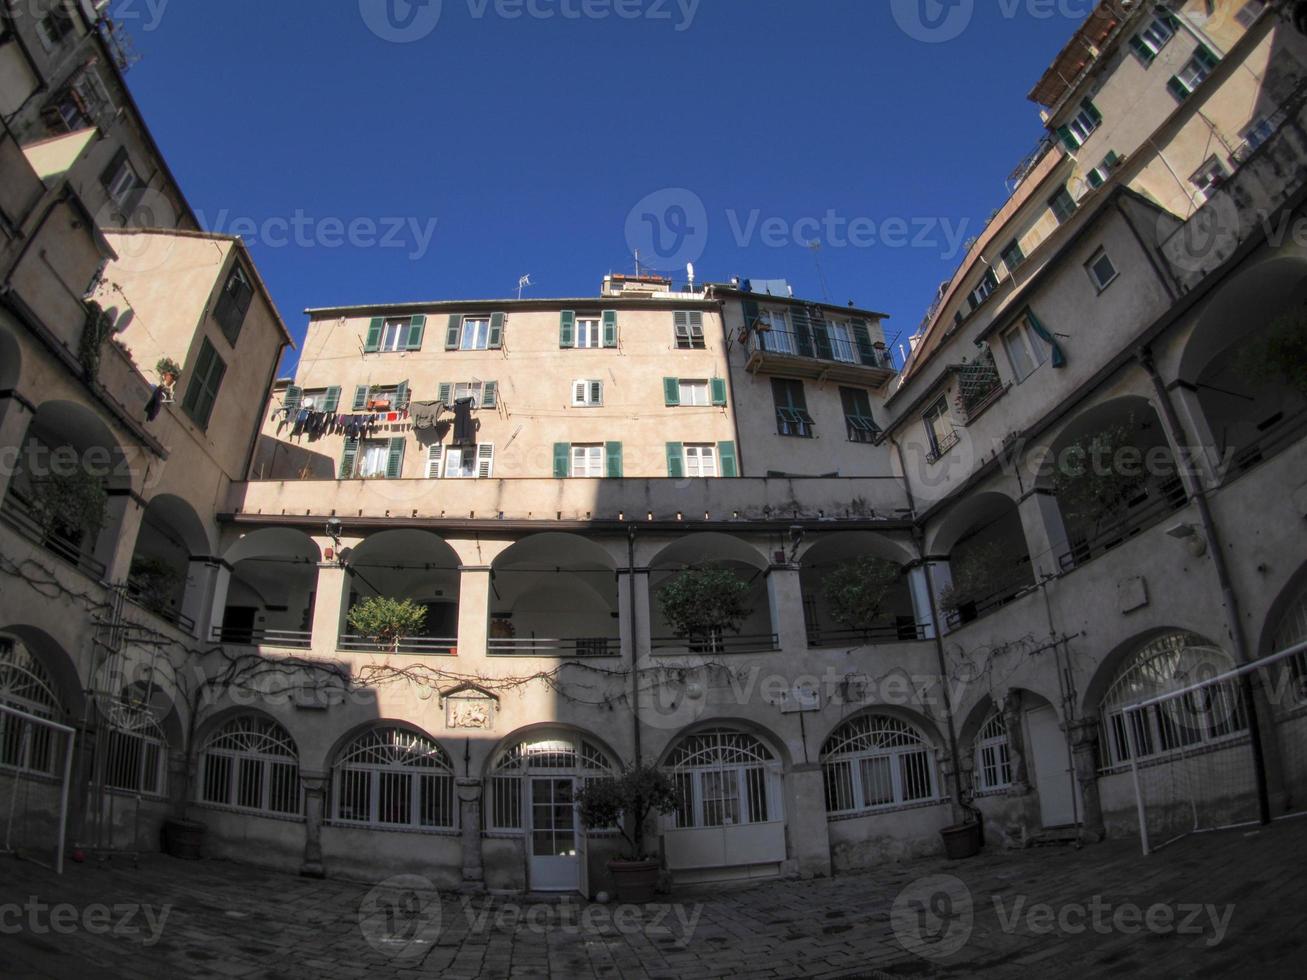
[(1051, 763), (552, 837)]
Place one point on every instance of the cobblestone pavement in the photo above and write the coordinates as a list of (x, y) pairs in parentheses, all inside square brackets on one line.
[(1222, 905)]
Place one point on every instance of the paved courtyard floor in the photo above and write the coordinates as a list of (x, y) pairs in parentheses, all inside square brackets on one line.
[(1232, 904)]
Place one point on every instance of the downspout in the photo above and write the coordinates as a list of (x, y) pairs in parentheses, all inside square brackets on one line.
[(1198, 496), (635, 673), (919, 538)]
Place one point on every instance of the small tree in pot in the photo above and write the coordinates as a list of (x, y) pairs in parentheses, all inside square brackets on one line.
[(387, 620), (627, 801), (857, 591), (70, 506), (700, 603)]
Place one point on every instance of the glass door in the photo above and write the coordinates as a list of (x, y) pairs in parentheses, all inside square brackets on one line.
[(554, 859)]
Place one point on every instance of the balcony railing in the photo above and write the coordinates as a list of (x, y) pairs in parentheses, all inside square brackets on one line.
[(532, 646), (1012, 586), (1276, 435), (421, 646), (174, 616), (16, 514), (718, 643), (903, 631), (1144, 511), (821, 347), (237, 636)]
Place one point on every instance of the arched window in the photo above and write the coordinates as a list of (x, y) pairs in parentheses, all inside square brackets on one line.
[(1164, 665), (1291, 632), (391, 777), (993, 761), (725, 778), (136, 749), (25, 685), (251, 764), (559, 755), (873, 763)]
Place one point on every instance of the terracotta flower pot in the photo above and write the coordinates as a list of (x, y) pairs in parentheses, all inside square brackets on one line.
[(634, 881)]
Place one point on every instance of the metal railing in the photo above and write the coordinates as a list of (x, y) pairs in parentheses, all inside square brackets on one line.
[(17, 515), (534, 646), (1155, 503), (425, 646), (905, 631), (294, 639), (1277, 434), (168, 615), (820, 347), (1012, 588), (717, 643)]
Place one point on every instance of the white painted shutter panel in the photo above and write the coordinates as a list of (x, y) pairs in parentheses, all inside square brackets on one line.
[(485, 460), (433, 461), (578, 393)]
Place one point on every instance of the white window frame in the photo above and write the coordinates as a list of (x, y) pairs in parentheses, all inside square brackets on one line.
[(701, 459), (1209, 177), (1156, 36), (26, 685), (468, 389), (251, 753), (589, 333), (587, 393), (378, 446), (691, 336), (942, 438), (90, 86), (720, 766), (393, 334), (549, 754), (841, 341), (872, 739), (1082, 125), (776, 335), (123, 183), (1091, 267), (993, 755), (694, 392), (586, 461), (1249, 13), (475, 334), (1257, 132), (384, 754), (1192, 75), (1021, 339)]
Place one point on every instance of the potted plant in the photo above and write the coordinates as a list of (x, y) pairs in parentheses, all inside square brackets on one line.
[(978, 571), (627, 801), (169, 371), (386, 620), (701, 603), (856, 591), (70, 506), (1093, 491), (153, 583)]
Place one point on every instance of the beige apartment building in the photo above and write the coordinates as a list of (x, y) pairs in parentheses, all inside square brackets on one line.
[(536, 473)]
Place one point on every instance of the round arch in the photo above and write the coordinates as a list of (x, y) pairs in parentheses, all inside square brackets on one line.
[(162, 578), (1286, 620), (989, 562), (55, 667), (266, 586), (716, 550), (878, 760), (392, 775), (974, 511), (897, 616), (248, 761), (406, 563), (11, 359), (554, 592)]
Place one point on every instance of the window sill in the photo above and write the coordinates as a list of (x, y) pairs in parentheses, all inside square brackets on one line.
[(245, 812), (893, 808)]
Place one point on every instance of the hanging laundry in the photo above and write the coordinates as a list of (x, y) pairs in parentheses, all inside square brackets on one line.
[(155, 403), (464, 427), (425, 414)]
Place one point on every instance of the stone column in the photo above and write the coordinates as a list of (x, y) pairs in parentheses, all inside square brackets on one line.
[(328, 607), (473, 610), (117, 540), (1046, 536), (919, 589), (785, 599), (1083, 733), (1205, 456), (13, 433), (469, 815), (197, 600), (315, 795), (809, 830)]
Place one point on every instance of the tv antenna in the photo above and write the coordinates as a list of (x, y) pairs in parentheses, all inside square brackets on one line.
[(815, 247), (523, 283)]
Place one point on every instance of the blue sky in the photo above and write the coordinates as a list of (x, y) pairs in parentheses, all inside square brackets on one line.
[(492, 146)]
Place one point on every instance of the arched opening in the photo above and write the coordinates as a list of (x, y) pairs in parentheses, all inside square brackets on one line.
[(27, 687), (856, 591), (251, 764), (674, 586), (554, 595), (531, 790), (405, 565), (11, 370), (163, 578), (876, 762), (732, 810), (69, 486), (267, 592), (1114, 476), (392, 778), (1243, 364), (988, 560)]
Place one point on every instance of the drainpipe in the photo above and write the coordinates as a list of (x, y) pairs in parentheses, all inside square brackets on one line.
[(1198, 496), (635, 634), (919, 538)]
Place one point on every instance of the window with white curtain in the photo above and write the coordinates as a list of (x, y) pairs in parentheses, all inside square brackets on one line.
[(588, 461), (373, 455), (251, 763), (700, 460), (876, 762)]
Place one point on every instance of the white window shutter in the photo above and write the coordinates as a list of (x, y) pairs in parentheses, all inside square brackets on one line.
[(578, 393), (485, 460), (433, 460), (596, 392)]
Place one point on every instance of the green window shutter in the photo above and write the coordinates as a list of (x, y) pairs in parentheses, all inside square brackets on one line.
[(489, 394), (1206, 57), (374, 335), (730, 463), (496, 339), (1068, 138), (862, 337), (401, 396), (672, 391), (675, 460), (452, 331), (751, 313), (417, 326), (718, 391), (293, 398), (332, 400), (347, 459), (1177, 89), (446, 394), (613, 457), (395, 461), (610, 328), (562, 455), (1095, 178), (1092, 109), (1142, 51), (360, 397), (567, 329)]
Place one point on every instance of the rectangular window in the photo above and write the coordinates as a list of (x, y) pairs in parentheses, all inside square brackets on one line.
[(1149, 42), (694, 392), (857, 415), (587, 394), (1209, 177), (589, 332), (1062, 204), (122, 183), (1193, 74), (1013, 256), (468, 389), (1249, 12), (774, 332), (233, 303), (689, 331), (206, 379), (1101, 270), (461, 463), (982, 292), (393, 334), (1025, 350), (588, 461), (792, 418), (841, 341), (700, 460), (372, 458), (54, 27), (1258, 133), (939, 428), (476, 333), (1098, 176), (1084, 123), (92, 95)]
